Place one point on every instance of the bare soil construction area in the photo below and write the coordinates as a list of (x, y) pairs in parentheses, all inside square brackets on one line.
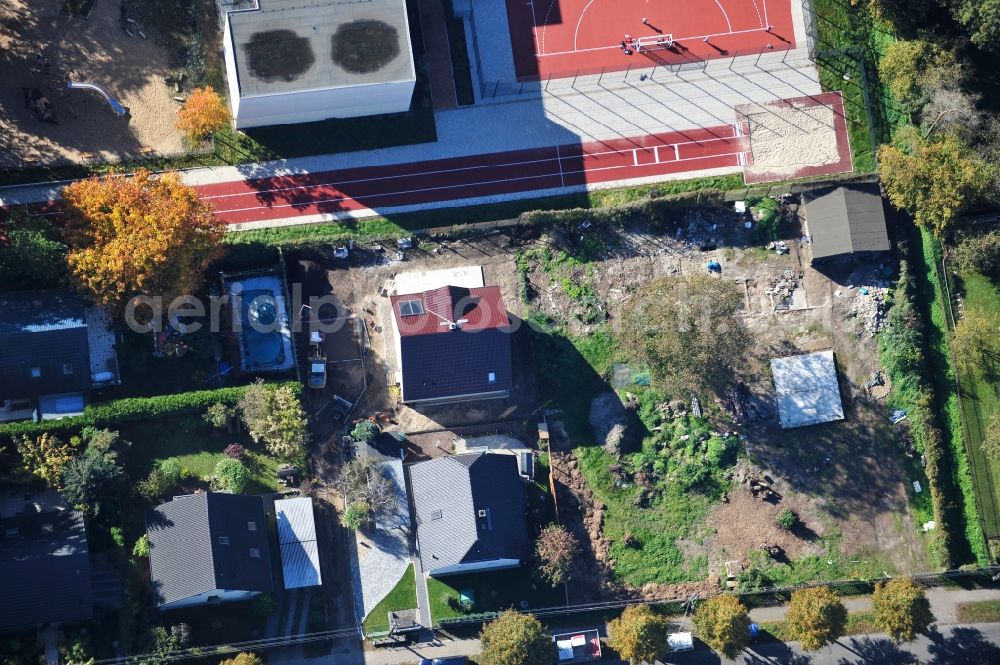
[(41, 49), (847, 482)]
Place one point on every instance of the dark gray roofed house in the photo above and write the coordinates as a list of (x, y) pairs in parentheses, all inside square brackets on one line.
[(53, 349), (846, 222), (470, 513), (44, 569), (208, 548)]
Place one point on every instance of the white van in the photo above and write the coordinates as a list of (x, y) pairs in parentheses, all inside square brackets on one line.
[(680, 642)]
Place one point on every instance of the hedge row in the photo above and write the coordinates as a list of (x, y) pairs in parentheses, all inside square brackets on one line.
[(902, 353), (117, 411), (657, 210)]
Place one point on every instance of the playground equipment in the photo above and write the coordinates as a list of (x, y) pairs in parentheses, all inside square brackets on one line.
[(119, 110)]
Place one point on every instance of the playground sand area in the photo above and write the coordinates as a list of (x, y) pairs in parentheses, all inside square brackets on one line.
[(92, 50)]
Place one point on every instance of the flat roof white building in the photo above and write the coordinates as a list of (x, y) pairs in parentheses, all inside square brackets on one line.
[(293, 61), (807, 389)]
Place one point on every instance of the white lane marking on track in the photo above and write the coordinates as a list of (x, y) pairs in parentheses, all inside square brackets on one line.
[(467, 184)]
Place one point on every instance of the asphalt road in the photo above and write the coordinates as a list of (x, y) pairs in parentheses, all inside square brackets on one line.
[(953, 645)]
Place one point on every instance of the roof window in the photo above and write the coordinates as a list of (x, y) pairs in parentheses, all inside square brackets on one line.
[(36, 372), (223, 540), (492, 377), (411, 308), (254, 552), (436, 515), (251, 526)]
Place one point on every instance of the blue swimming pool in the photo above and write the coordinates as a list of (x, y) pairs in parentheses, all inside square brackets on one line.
[(265, 338)]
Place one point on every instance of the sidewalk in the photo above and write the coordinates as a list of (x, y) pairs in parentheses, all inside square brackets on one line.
[(848, 650)]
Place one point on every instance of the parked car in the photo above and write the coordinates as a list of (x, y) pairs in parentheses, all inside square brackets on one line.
[(680, 642), (317, 371)]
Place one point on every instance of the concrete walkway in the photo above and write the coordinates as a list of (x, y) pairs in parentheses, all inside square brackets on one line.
[(388, 555)]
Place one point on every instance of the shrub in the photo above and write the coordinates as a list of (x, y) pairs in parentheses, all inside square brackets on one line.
[(901, 609), (233, 474), (45, 457), (980, 253), (274, 416), (244, 658), (219, 415), (356, 515), (816, 617), (118, 537), (235, 450), (787, 519), (141, 548), (365, 431)]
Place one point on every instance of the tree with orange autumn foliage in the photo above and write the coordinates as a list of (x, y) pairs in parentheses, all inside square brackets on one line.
[(138, 235), (203, 113)]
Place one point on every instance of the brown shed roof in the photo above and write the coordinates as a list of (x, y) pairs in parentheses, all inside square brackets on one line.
[(847, 220)]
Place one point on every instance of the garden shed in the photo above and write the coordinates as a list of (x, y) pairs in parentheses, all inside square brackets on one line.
[(297, 542)]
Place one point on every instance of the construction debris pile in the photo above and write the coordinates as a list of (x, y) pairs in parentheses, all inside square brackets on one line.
[(868, 305), (783, 286)]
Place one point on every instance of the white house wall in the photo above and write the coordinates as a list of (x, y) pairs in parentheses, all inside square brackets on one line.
[(231, 80), (312, 105)]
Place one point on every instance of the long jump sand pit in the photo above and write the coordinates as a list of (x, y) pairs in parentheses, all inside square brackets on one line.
[(795, 138), (94, 50)]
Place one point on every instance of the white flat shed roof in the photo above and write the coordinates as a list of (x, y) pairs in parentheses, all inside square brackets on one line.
[(807, 390), (418, 281), (297, 541)]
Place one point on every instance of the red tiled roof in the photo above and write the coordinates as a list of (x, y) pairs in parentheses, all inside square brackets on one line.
[(480, 308)]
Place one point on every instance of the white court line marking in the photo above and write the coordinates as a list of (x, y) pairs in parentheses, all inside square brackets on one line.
[(725, 15), (534, 22), (562, 179), (656, 153), (766, 23), (438, 171), (545, 24), (677, 153), (340, 199), (676, 39), (757, 9), (635, 157), (576, 33)]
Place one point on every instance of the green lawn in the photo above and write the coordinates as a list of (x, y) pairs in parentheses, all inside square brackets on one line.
[(491, 592), (980, 401), (197, 446), (983, 611), (402, 597)]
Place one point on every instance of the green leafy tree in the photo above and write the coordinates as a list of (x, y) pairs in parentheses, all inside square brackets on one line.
[(934, 179), (787, 519), (554, 552), (365, 431), (723, 624), (31, 254), (141, 548), (816, 617), (901, 609), (233, 474), (516, 639), (687, 331), (356, 515), (980, 253), (980, 18), (639, 635), (93, 481), (274, 417), (976, 343)]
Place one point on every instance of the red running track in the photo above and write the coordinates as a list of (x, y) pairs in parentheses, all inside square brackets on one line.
[(421, 183), (347, 191)]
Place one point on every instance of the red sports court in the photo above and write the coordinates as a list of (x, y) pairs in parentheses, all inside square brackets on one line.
[(562, 38)]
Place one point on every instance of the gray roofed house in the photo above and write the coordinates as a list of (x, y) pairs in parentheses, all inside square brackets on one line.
[(207, 548), (846, 222), (807, 389), (469, 512), (45, 574), (53, 350)]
